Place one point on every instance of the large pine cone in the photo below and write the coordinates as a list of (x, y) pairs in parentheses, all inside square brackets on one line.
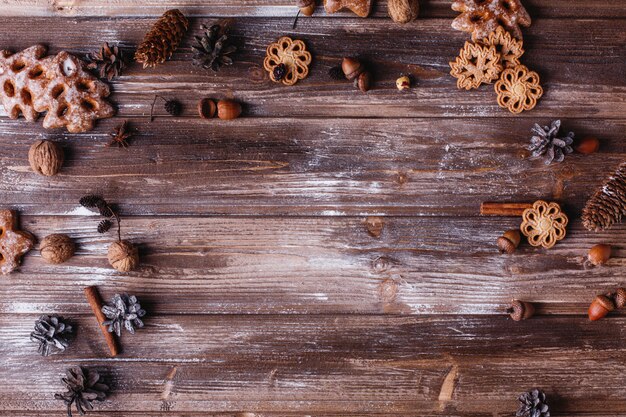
[(162, 40)]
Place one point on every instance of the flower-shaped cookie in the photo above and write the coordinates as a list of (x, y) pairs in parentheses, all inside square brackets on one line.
[(13, 243), (544, 224), (518, 89), (476, 64), (293, 58), (509, 48)]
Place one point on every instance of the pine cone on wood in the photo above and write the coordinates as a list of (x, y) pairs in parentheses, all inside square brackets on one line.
[(213, 48), (547, 143), (163, 38), (533, 404), (108, 61), (123, 310), (83, 386), (51, 332), (608, 205)]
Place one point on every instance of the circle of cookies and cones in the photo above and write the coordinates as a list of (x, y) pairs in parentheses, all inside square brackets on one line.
[(293, 55), (509, 48), (518, 89), (360, 7), (544, 224), (59, 85), (476, 64), (13, 243), (481, 17)]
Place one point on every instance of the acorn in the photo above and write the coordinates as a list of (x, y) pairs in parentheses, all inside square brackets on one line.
[(599, 254), (228, 109), (587, 145), (364, 81), (600, 307), (307, 7), (620, 298), (509, 241), (207, 108), (351, 67), (521, 310)]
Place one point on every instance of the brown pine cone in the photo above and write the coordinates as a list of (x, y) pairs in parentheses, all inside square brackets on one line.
[(608, 205), (163, 38)]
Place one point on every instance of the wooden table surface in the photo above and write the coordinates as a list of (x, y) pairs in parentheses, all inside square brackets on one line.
[(266, 294)]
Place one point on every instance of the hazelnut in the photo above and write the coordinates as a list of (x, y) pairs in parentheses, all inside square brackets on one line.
[(351, 67), (620, 298), (228, 109), (509, 241), (521, 310), (403, 11), (364, 81), (587, 145), (307, 7), (56, 248), (45, 157), (123, 256), (207, 108), (403, 83), (600, 307), (599, 254)]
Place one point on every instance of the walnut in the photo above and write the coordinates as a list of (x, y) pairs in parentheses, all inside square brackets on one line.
[(57, 248), (403, 11), (123, 256), (45, 157)]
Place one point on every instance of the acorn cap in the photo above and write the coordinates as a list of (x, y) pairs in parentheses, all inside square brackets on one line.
[(605, 302), (509, 241), (620, 298), (351, 67), (521, 310)]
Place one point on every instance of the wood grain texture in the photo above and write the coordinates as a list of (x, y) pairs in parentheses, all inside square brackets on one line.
[(554, 48), (267, 294), (285, 8), (335, 364), (316, 265), (290, 167)]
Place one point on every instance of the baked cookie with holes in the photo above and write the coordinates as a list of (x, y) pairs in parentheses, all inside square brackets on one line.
[(13, 243)]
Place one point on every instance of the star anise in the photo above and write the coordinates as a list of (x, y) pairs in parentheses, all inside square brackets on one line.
[(120, 135)]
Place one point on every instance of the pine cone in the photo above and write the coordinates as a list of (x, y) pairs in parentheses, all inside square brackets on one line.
[(533, 404), (608, 205), (163, 38), (213, 48), (84, 386), (51, 332), (123, 309), (547, 143), (108, 61)]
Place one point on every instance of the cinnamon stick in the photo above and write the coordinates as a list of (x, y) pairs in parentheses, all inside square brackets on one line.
[(504, 209), (93, 297)]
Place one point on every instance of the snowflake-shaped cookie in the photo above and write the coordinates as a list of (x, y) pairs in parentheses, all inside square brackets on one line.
[(509, 48), (481, 17), (476, 64)]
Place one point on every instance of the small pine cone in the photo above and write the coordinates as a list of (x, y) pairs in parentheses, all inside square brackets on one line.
[(608, 205), (163, 38)]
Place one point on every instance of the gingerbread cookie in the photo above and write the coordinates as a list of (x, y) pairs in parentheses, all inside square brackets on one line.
[(360, 7), (518, 89), (544, 224), (481, 17), (509, 48), (476, 64), (287, 61), (58, 85), (13, 243)]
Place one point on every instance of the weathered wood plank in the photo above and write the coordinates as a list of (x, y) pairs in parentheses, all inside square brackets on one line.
[(316, 265), (285, 8), (584, 77), (330, 364), (326, 384), (313, 166)]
